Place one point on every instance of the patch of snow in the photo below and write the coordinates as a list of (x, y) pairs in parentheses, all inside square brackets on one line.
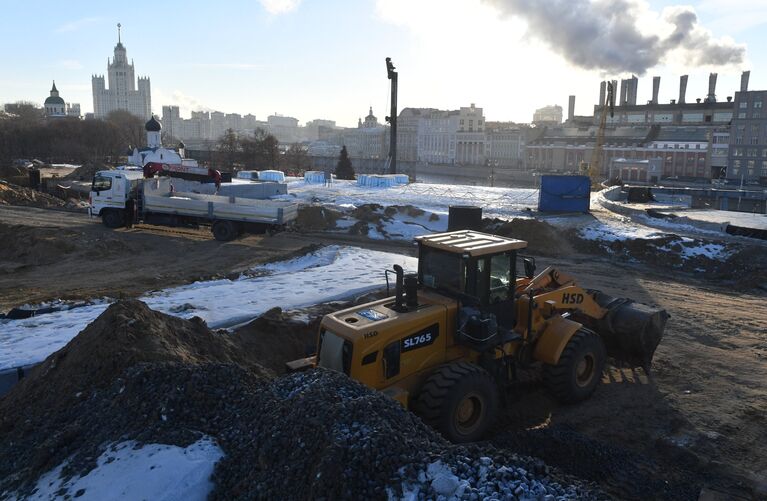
[(331, 273), (130, 471), (496, 202)]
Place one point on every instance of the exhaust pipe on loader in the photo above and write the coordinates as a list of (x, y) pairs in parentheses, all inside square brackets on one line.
[(405, 290), (631, 331)]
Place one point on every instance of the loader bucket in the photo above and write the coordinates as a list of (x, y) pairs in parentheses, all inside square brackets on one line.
[(631, 331)]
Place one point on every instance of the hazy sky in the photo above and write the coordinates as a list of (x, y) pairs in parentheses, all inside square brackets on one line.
[(325, 58)]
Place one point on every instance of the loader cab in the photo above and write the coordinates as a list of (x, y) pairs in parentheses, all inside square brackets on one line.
[(477, 269)]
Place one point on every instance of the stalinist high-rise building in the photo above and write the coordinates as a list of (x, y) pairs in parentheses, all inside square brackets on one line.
[(122, 93)]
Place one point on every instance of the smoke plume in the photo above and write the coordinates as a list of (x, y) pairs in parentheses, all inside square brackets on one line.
[(609, 35)]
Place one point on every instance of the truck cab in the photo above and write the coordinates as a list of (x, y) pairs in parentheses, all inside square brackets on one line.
[(110, 190)]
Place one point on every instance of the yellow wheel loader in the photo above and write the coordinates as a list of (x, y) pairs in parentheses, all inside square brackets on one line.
[(456, 333)]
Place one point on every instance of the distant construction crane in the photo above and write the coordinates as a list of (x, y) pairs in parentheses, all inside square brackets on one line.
[(595, 166), (392, 118)]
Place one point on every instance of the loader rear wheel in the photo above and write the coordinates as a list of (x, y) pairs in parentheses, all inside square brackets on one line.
[(459, 400), (579, 370), (224, 231)]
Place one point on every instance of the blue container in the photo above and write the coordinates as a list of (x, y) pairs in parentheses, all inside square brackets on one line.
[(564, 194)]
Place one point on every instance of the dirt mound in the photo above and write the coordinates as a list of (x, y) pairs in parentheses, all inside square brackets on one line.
[(24, 246), (274, 339), (42, 418), (11, 194), (316, 218), (541, 237), (127, 333), (717, 259), (86, 171)]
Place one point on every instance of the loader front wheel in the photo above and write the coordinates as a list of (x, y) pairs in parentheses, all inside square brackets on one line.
[(579, 370), (460, 401)]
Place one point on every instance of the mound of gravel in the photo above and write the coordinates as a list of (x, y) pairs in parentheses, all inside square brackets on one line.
[(135, 374), (332, 438)]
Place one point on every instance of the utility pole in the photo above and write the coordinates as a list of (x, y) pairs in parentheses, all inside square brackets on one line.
[(392, 118)]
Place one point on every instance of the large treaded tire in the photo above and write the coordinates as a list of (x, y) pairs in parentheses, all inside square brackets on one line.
[(579, 370), (224, 231), (460, 400), (112, 218)]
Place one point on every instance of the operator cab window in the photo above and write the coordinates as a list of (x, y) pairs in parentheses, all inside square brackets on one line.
[(442, 270), (500, 278), (101, 183)]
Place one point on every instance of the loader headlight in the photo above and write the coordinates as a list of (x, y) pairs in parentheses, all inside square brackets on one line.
[(335, 352)]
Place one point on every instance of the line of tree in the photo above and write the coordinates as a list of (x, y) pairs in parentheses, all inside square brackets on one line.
[(258, 151), (26, 133)]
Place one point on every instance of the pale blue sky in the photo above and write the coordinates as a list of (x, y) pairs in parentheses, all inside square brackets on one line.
[(325, 58)]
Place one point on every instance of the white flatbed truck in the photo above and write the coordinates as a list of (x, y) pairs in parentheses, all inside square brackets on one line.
[(157, 202)]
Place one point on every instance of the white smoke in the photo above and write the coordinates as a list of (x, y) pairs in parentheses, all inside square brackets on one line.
[(616, 36)]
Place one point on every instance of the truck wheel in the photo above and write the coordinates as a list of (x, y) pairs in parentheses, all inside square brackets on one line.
[(113, 218), (460, 400), (579, 370), (224, 231)]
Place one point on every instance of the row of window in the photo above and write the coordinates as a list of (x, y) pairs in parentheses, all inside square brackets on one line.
[(756, 104), (750, 169)]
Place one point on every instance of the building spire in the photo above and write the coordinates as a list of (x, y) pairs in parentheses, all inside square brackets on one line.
[(119, 39)]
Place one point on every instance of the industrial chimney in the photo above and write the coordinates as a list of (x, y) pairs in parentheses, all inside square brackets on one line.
[(711, 98), (624, 91), (631, 96), (602, 92), (744, 81), (655, 89), (682, 88), (571, 109)]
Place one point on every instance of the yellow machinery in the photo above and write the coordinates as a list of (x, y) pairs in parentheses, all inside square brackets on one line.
[(594, 168), (455, 334)]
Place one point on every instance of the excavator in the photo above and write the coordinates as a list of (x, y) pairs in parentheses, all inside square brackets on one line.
[(458, 332)]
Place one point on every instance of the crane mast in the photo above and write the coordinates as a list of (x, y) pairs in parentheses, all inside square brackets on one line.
[(595, 166)]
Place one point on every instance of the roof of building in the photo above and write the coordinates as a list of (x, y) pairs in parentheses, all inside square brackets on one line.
[(153, 125), (54, 100)]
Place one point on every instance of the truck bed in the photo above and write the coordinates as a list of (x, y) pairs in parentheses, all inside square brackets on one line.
[(158, 199)]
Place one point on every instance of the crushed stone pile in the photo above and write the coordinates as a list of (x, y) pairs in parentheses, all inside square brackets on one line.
[(333, 438), (11, 194), (135, 374)]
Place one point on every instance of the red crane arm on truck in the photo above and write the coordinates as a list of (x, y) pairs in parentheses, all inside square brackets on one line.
[(182, 171)]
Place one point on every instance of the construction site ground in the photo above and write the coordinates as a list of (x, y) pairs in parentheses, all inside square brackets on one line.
[(700, 415)]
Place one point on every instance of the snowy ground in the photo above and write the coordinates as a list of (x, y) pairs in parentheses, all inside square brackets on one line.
[(128, 471), (436, 198), (329, 274), (615, 228)]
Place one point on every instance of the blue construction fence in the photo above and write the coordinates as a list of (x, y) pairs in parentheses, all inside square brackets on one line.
[(564, 194)]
